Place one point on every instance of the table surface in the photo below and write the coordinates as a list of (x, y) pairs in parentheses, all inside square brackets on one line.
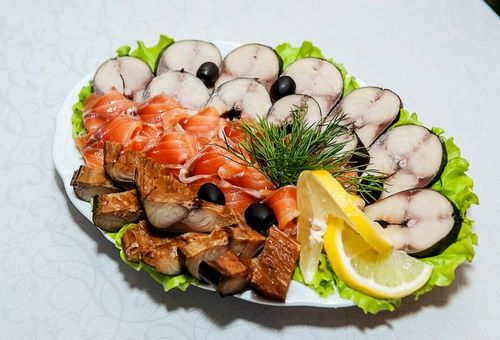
[(59, 278)]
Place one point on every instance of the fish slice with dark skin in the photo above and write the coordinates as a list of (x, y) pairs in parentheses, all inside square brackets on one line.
[(255, 61), (319, 79), (121, 166), (271, 271), (421, 222), (183, 87), (282, 110), (188, 56), (128, 75), (411, 156), (111, 211), (371, 110), (88, 182), (142, 243), (241, 98)]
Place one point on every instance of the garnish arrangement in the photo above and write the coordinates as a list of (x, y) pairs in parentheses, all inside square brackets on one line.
[(269, 165)]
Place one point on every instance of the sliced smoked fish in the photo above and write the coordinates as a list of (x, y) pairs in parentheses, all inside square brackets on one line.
[(111, 211), (141, 243), (271, 271), (88, 182)]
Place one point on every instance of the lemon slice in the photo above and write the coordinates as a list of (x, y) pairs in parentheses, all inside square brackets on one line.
[(320, 196), (387, 275)]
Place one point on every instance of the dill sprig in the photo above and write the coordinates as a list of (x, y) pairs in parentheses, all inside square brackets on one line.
[(282, 152)]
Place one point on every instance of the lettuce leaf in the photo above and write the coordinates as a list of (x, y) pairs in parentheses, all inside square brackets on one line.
[(367, 303), (289, 54), (77, 108), (181, 281), (150, 55), (323, 280), (457, 186), (406, 118)]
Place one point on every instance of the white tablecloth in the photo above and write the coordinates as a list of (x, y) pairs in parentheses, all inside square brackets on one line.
[(59, 278)]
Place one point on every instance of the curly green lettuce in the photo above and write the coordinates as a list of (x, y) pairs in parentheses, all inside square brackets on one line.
[(181, 281), (77, 108), (150, 55), (324, 279)]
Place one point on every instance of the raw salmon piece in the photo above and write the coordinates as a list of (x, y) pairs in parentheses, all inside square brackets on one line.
[(233, 132), (174, 149), (163, 110), (237, 199), (283, 201), (244, 176), (119, 130), (148, 137), (209, 161), (100, 109), (205, 125)]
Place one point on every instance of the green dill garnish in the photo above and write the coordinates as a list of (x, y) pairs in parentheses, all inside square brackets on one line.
[(282, 152)]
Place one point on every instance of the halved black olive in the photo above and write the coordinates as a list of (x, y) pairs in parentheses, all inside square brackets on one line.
[(211, 193), (260, 217)]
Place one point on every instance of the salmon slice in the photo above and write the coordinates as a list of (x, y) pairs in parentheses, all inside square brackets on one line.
[(244, 176), (205, 125), (237, 199), (209, 161), (233, 133), (162, 110), (100, 109), (283, 201), (173, 150), (119, 130), (149, 136)]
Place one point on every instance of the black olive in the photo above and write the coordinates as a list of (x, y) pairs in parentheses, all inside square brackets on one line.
[(260, 217), (211, 193), (208, 73), (282, 87)]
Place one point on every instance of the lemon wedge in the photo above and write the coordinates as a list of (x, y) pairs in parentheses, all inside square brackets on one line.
[(387, 275), (320, 196)]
